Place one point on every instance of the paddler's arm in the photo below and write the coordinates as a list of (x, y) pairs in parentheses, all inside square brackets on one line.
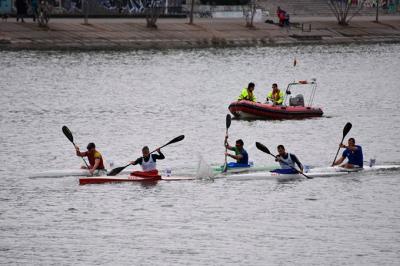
[(353, 148), (96, 164), (79, 153), (236, 157), (158, 156), (137, 161), (226, 144), (296, 161), (339, 161)]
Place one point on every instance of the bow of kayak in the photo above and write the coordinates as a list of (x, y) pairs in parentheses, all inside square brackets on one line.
[(71, 172), (313, 172)]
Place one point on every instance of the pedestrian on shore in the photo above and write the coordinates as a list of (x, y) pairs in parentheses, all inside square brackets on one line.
[(34, 5), (282, 16), (22, 8)]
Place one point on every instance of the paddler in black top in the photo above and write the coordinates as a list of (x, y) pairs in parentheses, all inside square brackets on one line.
[(287, 162), (148, 161)]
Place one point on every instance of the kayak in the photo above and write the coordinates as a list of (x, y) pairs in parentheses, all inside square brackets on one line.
[(71, 172), (313, 172), (130, 178), (135, 176), (239, 168)]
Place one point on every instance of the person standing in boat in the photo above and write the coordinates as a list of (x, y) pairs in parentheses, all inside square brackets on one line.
[(276, 95), (240, 155), (287, 162), (95, 158), (353, 153), (248, 93), (148, 161)]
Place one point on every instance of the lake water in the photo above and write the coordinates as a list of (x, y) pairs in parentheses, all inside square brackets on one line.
[(125, 100)]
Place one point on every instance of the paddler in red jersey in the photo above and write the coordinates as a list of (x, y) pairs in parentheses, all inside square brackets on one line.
[(148, 161), (94, 157)]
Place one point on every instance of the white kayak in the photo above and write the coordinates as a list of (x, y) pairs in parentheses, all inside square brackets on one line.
[(313, 172), (72, 172)]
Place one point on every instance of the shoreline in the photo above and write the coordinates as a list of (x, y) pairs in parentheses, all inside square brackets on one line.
[(132, 34)]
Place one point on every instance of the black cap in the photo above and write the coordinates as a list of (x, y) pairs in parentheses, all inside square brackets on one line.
[(91, 146)]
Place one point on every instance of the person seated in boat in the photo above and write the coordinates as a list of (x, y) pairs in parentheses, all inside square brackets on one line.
[(287, 162), (276, 96), (248, 93), (240, 155), (148, 161), (353, 153), (95, 158)]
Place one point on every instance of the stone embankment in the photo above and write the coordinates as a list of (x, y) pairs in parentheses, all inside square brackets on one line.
[(119, 34)]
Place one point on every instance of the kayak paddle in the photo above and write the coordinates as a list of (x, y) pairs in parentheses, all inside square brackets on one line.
[(69, 136), (346, 130), (228, 124), (262, 148), (118, 170)]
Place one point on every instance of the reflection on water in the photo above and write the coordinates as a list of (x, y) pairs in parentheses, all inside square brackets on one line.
[(123, 101)]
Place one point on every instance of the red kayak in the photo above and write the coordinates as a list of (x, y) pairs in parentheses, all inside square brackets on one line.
[(293, 107), (136, 176)]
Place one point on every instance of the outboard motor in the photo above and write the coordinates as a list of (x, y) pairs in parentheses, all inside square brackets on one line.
[(297, 101)]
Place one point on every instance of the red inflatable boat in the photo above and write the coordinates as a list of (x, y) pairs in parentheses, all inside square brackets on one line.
[(295, 109)]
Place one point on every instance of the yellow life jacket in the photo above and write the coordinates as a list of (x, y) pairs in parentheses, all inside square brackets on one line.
[(245, 95), (277, 98)]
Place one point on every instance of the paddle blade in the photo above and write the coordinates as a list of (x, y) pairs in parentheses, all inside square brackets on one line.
[(117, 170), (68, 133), (177, 139), (262, 148), (346, 129), (228, 121)]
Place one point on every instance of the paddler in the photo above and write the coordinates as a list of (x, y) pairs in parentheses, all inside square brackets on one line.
[(240, 155), (95, 158), (276, 95), (248, 93), (353, 153), (287, 162), (148, 161)]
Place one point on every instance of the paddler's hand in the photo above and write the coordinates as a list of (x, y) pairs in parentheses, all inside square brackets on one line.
[(91, 171), (341, 145), (76, 147), (277, 158), (158, 150)]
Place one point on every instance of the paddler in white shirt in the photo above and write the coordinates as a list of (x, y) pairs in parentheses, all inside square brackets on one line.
[(148, 161), (287, 162)]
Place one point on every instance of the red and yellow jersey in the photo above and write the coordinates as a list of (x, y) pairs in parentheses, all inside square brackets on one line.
[(93, 156)]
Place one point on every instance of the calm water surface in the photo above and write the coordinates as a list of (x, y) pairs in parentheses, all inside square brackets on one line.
[(123, 101)]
